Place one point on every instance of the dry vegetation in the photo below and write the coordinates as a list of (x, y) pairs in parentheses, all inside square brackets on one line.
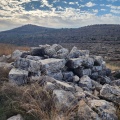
[(113, 65), (6, 49), (31, 101)]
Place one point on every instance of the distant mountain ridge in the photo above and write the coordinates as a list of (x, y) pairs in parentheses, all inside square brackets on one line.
[(32, 35)]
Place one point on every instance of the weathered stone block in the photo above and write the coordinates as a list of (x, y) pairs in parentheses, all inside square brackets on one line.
[(52, 65), (18, 76)]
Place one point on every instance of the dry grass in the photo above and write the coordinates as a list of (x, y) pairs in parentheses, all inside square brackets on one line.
[(118, 112), (3, 75), (31, 100), (6, 49), (113, 65)]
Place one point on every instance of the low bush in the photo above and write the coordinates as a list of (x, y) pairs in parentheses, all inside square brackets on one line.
[(31, 101)]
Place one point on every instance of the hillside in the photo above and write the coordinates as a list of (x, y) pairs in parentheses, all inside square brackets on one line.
[(34, 35), (99, 39)]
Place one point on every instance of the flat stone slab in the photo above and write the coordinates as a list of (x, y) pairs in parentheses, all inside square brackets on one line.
[(52, 65), (106, 110), (111, 93), (63, 99), (27, 64), (18, 76)]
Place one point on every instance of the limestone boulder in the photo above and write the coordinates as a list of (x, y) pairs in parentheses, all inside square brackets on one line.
[(85, 82), (74, 53), (88, 62), (17, 76), (27, 64), (62, 53), (63, 99), (111, 93), (52, 65), (16, 54), (104, 109), (57, 47)]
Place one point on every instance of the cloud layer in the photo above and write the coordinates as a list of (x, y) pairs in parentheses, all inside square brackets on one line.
[(58, 13)]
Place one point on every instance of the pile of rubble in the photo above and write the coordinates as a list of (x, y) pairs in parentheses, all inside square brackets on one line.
[(71, 76)]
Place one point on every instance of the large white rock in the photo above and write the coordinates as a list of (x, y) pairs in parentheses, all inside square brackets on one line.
[(16, 54), (85, 82), (16, 117), (88, 62), (27, 64), (75, 53), (106, 110), (52, 65), (63, 99), (60, 84), (18, 76), (111, 93), (62, 53), (56, 47)]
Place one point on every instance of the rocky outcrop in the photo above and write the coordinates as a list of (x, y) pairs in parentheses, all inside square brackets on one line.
[(74, 78), (111, 93), (104, 109)]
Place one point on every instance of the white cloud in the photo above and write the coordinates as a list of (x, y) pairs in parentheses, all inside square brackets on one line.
[(90, 4), (14, 15), (103, 9), (45, 3), (71, 3)]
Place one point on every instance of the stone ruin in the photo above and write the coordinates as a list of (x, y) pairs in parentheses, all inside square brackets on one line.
[(71, 75)]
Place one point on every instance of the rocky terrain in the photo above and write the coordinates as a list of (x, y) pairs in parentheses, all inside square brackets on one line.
[(78, 81)]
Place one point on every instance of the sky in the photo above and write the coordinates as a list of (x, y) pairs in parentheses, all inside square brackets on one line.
[(58, 13)]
